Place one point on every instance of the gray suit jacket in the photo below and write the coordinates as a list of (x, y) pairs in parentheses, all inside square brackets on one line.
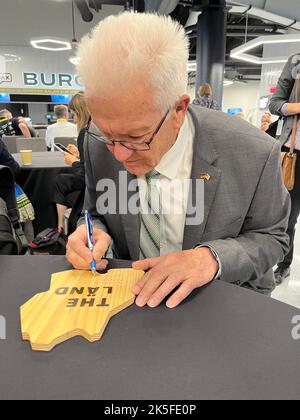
[(246, 206), (286, 93)]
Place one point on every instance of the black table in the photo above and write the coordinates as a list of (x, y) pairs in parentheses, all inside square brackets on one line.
[(38, 182), (223, 343)]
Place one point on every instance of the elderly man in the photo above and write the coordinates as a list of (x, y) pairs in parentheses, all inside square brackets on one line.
[(134, 67)]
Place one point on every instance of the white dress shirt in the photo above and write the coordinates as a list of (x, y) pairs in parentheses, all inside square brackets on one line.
[(62, 128), (175, 170)]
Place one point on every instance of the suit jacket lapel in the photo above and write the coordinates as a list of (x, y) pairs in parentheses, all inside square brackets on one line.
[(204, 157)]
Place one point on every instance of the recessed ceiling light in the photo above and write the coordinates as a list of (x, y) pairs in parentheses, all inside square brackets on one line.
[(239, 53), (74, 60), (51, 45)]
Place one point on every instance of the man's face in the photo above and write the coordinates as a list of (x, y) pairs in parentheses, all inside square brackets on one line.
[(133, 117)]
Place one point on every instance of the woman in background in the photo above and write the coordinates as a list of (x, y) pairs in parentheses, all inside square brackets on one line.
[(285, 103), (69, 186), (205, 99)]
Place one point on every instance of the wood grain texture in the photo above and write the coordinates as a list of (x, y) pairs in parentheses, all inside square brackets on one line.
[(77, 304)]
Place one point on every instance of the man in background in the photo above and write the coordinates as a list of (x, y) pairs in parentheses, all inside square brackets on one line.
[(10, 126), (62, 128), (266, 121), (6, 159), (205, 98)]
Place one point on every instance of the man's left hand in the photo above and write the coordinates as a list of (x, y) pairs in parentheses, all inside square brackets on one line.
[(187, 269)]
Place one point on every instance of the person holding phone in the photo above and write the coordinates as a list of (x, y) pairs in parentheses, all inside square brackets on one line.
[(69, 186)]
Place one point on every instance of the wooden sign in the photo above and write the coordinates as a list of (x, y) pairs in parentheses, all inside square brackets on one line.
[(77, 304)]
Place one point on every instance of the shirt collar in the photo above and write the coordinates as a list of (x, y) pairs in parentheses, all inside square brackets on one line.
[(61, 120), (171, 161)]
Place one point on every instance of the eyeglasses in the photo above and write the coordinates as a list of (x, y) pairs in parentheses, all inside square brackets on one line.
[(141, 146)]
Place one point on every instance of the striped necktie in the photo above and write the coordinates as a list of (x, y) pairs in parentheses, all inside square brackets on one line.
[(150, 223)]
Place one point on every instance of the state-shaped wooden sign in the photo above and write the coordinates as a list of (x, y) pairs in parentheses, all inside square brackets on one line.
[(77, 304)]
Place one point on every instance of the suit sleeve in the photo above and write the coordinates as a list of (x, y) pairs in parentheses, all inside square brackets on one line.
[(284, 88), (90, 200), (263, 241)]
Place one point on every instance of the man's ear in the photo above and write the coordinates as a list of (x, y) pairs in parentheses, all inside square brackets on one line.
[(180, 111)]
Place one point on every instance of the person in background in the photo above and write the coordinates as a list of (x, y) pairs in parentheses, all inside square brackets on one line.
[(205, 99), (69, 186), (10, 126), (62, 128), (286, 104), (25, 207)]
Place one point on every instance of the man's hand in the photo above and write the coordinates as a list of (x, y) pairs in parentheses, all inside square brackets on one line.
[(190, 269), (78, 253)]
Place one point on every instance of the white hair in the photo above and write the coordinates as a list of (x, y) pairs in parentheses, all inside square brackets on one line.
[(124, 48)]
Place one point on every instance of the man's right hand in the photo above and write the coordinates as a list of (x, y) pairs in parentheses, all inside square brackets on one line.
[(78, 253)]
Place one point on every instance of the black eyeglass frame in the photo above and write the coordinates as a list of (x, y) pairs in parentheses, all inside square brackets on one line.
[(113, 142)]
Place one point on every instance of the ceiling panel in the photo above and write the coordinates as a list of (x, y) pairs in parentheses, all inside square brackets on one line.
[(22, 20)]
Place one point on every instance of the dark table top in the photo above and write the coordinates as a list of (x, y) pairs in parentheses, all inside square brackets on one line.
[(223, 343), (38, 181), (42, 160)]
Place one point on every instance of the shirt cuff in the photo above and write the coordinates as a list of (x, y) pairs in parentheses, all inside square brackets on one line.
[(283, 109), (219, 273)]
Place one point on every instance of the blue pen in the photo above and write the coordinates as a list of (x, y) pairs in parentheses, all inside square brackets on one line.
[(89, 227)]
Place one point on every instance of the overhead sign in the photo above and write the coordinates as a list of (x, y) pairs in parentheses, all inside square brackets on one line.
[(27, 70)]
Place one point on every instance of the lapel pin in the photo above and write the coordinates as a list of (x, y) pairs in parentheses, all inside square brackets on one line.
[(205, 177)]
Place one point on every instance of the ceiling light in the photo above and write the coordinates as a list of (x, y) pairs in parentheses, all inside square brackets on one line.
[(74, 60), (51, 45), (228, 82), (272, 17), (239, 53)]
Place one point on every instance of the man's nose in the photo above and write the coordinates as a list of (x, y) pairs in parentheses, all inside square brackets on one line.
[(121, 153)]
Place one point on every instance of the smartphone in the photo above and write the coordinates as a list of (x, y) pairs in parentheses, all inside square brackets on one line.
[(62, 148)]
